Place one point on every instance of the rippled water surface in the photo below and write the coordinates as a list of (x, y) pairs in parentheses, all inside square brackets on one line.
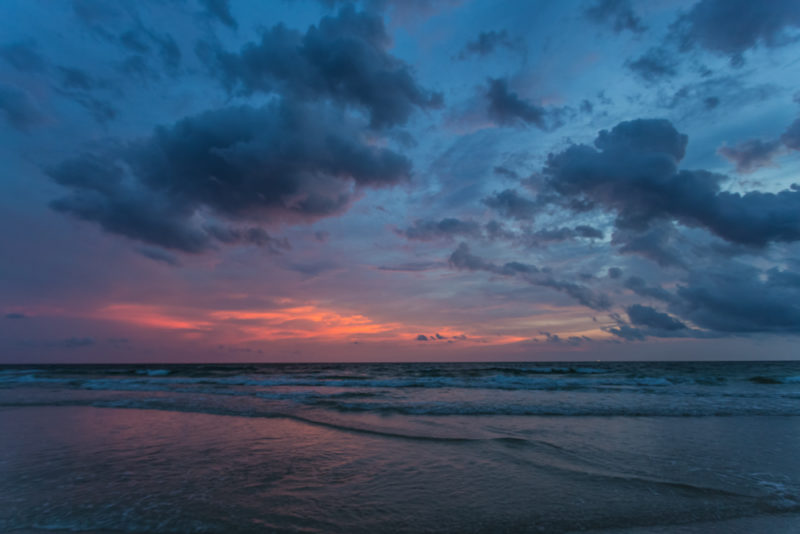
[(400, 447)]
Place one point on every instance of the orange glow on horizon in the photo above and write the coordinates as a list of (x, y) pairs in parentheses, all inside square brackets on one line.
[(303, 321)]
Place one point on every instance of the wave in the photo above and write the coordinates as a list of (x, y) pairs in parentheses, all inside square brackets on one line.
[(772, 380), (559, 410), (163, 379), (286, 404)]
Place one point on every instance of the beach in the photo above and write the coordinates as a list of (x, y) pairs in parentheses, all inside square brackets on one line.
[(153, 454)]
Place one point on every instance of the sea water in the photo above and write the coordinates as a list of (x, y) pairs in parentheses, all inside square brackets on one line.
[(496, 447)]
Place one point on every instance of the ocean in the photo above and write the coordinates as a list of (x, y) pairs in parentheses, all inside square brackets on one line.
[(496, 447)]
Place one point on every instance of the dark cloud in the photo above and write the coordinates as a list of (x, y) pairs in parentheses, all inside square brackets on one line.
[(463, 259), (741, 299), (23, 56), (18, 108), (640, 287), (791, 137), (646, 321), (736, 300), (752, 154), (136, 66), (654, 65), (16, 316), (564, 233), (510, 204), (412, 267), (584, 295), (79, 86), (508, 109), (157, 254), (507, 173), (281, 162), (427, 230), (558, 340), (422, 337), (627, 332), (487, 42), (312, 269), (731, 27), (344, 58), (614, 273), (618, 14), (121, 25), (220, 10), (250, 236), (134, 41), (101, 110), (497, 230), (543, 237), (698, 97), (650, 317), (143, 44), (168, 51), (79, 79), (633, 171), (657, 243), (101, 194)]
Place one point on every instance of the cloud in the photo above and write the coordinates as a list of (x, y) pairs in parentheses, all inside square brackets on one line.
[(633, 171), (72, 78), (640, 287), (16, 316), (510, 204), (657, 243), (220, 10), (343, 59), (281, 162), (412, 267), (488, 42), (734, 299), (18, 108), (650, 317), (251, 236), (752, 154), (463, 260), (646, 321), (427, 230), (731, 27), (654, 65), (422, 337), (78, 85), (555, 339), (618, 14), (564, 233), (741, 299), (23, 56), (625, 331), (157, 254), (506, 108), (791, 137)]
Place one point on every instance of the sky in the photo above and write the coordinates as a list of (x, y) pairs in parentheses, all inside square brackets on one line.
[(387, 180)]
